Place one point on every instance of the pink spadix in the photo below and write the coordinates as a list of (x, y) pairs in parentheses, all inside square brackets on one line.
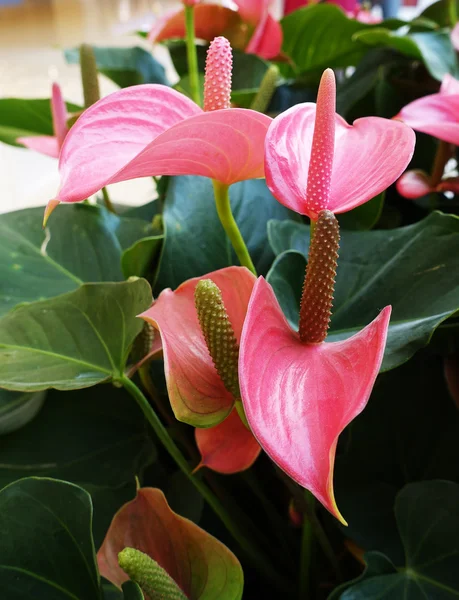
[(298, 391), (310, 145)]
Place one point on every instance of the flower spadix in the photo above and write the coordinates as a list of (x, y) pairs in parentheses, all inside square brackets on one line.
[(148, 130), (299, 392), (310, 141), (51, 144)]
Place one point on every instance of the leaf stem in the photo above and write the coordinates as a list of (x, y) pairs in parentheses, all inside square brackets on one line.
[(108, 203), (305, 553), (452, 10), (254, 553), (222, 201), (192, 54)]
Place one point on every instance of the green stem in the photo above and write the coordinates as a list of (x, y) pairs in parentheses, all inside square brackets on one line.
[(452, 10), (108, 203), (444, 152), (89, 76), (192, 54), (222, 201), (306, 553), (266, 90), (255, 555)]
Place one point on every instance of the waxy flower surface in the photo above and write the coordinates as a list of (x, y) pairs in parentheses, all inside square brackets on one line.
[(149, 130), (298, 391), (436, 115), (251, 27), (48, 144), (368, 156)]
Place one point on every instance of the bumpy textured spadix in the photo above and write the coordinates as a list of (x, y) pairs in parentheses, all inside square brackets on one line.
[(299, 397), (319, 283), (151, 577), (218, 333), (197, 393), (217, 82), (363, 161)]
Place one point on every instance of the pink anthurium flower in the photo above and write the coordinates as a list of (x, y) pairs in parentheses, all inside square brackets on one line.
[(298, 391), (197, 394), (368, 156), (436, 114), (228, 447), (47, 144), (151, 130), (251, 27), (454, 35), (200, 565), (352, 8)]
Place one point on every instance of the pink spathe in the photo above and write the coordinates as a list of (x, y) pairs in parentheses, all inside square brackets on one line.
[(47, 144), (196, 392), (364, 159), (299, 397), (149, 130)]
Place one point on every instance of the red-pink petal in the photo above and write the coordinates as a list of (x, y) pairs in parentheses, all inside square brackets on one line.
[(413, 184), (45, 144), (299, 397), (196, 392), (190, 555), (449, 85), (226, 145), (436, 115), (211, 20), (110, 133), (228, 447), (266, 40), (455, 36), (369, 156), (59, 112), (252, 11), (291, 5)]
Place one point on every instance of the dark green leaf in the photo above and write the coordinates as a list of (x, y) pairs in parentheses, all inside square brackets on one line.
[(364, 216), (82, 243), (17, 409), (110, 592), (22, 117), (96, 438), (195, 241), (375, 564), (434, 48), (47, 551), (415, 269), (124, 66), (428, 522), (132, 591), (439, 12), (72, 341), (320, 36), (408, 432), (139, 259)]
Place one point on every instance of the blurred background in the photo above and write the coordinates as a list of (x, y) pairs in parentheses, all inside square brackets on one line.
[(33, 34)]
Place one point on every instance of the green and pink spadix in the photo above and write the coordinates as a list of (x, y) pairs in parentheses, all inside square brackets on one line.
[(151, 130), (51, 144), (197, 393), (363, 158)]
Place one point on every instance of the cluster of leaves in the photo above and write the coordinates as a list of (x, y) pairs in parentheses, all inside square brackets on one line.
[(69, 296)]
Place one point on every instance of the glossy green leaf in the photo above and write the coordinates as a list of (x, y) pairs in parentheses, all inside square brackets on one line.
[(74, 340), (140, 258), (196, 243), (364, 216), (23, 117), (414, 268), (408, 432), (434, 48), (47, 551), (321, 36), (428, 522), (124, 66), (440, 12), (95, 438), (17, 409), (82, 243), (375, 564)]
